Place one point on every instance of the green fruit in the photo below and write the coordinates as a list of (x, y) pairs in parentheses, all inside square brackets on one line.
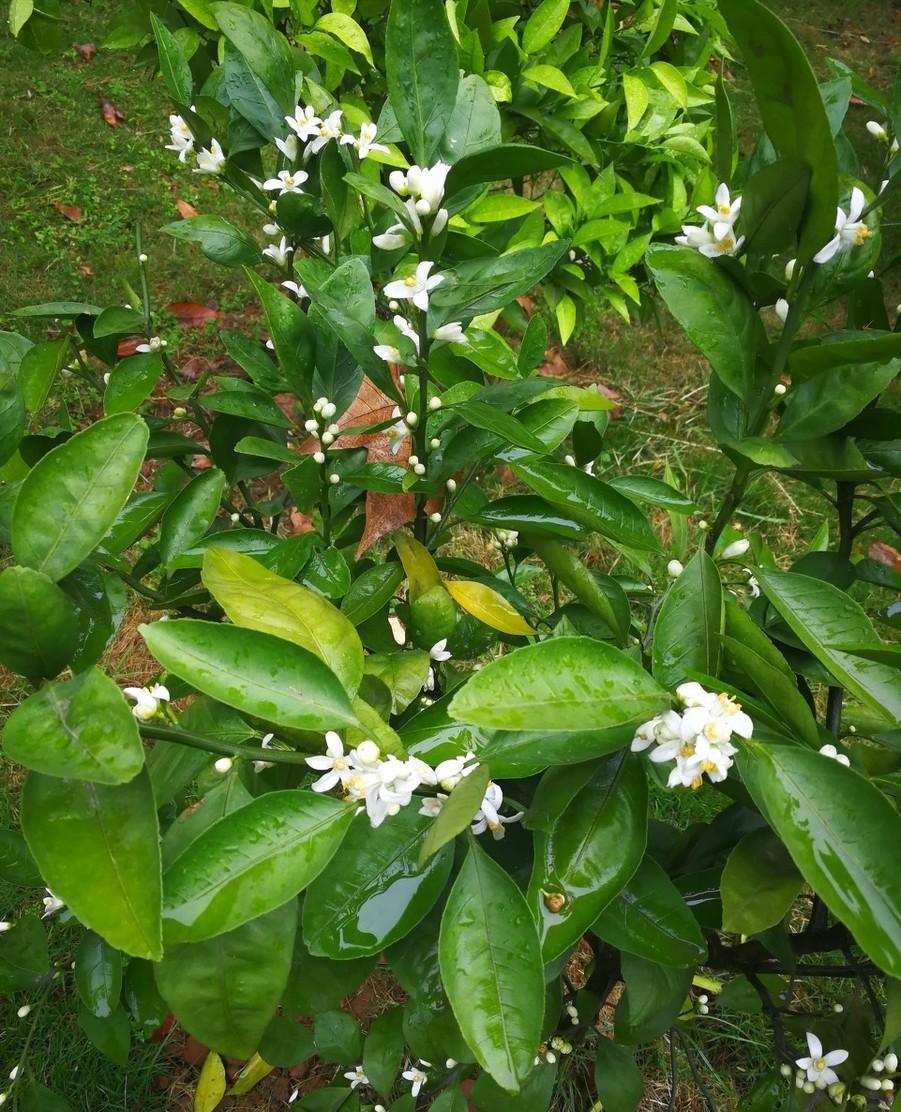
[(433, 617)]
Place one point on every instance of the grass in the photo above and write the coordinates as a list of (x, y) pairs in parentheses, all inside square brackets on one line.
[(61, 154)]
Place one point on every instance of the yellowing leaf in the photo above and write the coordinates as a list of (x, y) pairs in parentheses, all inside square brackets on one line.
[(637, 99), (211, 1084), (488, 606), (422, 571), (252, 1074), (348, 31), (551, 78), (673, 81)]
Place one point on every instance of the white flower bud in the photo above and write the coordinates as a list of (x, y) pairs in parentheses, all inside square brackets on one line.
[(434, 443), (413, 460), (877, 130), (411, 419), (319, 457), (142, 258), (891, 1061), (335, 430), (703, 524), (434, 403), (179, 412), (838, 1008), (871, 1083), (223, 765), (435, 517), (312, 425), (780, 389), (790, 269), (393, 305), (14, 1072), (234, 518), (423, 207), (419, 468), (328, 438), (808, 1087), (334, 478), (451, 485), (877, 1065), (329, 409), (781, 307), (24, 1011), (5, 926), (571, 460), (368, 752), (674, 569), (887, 1085), (736, 548), (785, 1069), (450, 1063)]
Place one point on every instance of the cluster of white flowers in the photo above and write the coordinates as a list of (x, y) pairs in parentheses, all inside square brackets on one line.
[(422, 188), (317, 131), (147, 700), (450, 333), (322, 428), (506, 538), (153, 344), (716, 236), (448, 774), (699, 739)]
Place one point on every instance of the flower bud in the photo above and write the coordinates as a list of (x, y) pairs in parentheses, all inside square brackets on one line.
[(24, 1011), (334, 478), (179, 411), (234, 518), (891, 1061), (809, 1087), (736, 548), (5, 926), (435, 517), (434, 403), (785, 1069), (434, 443), (451, 485), (703, 524), (780, 389), (223, 765), (419, 468), (319, 457), (877, 130), (328, 438), (368, 752), (887, 1085), (411, 419), (877, 1065), (413, 460), (312, 425), (871, 1083), (142, 258), (674, 569)]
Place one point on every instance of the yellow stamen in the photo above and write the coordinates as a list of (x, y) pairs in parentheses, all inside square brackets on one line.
[(708, 766), (724, 209), (862, 232), (697, 782), (819, 1064), (687, 750), (410, 282)]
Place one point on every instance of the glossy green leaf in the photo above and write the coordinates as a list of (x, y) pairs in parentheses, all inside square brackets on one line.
[(478, 286), (249, 402), (111, 1034), (251, 671), (689, 624), (617, 1079), (338, 1037), (485, 416), (383, 1051), (543, 24), (591, 501), (716, 314), (759, 884), (791, 108), (82, 729), (590, 854), (191, 513), (376, 890), (772, 205), (97, 847), (38, 370), (511, 160), (16, 863), (38, 627), (72, 496), (131, 382), (256, 598), (287, 837), (566, 683), (24, 956), (569, 569), (370, 591), (641, 488), (491, 968), (422, 73), (457, 813), (12, 415), (822, 616), (117, 320), (98, 975), (173, 65), (292, 334), (403, 673), (836, 825), (832, 398), (225, 796), (265, 51), (653, 999), (650, 918), (319, 984), (224, 990), (530, 513)]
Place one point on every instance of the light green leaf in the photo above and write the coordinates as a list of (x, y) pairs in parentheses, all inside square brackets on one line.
[(550, 77), (637, 99), (38, 626), (346, 29), (219, 240), (759, 884), (543, 24), (689, 624)]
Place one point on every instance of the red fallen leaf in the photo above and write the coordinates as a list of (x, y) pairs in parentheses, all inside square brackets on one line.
[(110, 112), (193, 1052), (71, 212), (129, 346), (526, 303), (185, 209), (160, 1033), (384, 514), (887, 555), (86, 49), (190, 314)]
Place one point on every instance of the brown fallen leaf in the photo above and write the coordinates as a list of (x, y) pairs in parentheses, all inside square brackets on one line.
[(86, 49), (299, 523), (201, 462), (129, 346), (193, 1051), (185, 210), (110, 112), (194, 367), (384, 514), (887, 555), (71, 212), (190, 314), (85, 270)]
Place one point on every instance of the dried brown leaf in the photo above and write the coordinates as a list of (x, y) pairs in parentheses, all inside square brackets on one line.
[(86, 49), (111, 114), (71, 212), (190, 314), (185, 210)]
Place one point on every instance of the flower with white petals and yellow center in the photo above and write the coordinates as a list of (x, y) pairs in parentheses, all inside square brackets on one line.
[(147, 700), (287, 181), (850, 230), (818, 1065), (182, 137), (210, 160), (415, 287)]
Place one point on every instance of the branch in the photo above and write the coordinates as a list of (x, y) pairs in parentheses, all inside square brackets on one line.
[(223, 748)]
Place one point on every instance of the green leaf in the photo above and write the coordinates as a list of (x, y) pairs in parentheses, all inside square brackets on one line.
[(38, 370), (563, 563), (791, 108), (566, 683), (836, 825), (20, 11), (376, 890), (589, 855), (403, 673), (228, 795), (637, 99), (24, 957), (191, 513), (458, 811), (131, 382), (491, 969), (264, 49), (589, 500), (844, 348), (338, 1039), (689, 624), (35, 1097), (38, 627), (251, 671), (528, 513), (383, 1051), (288, 838), (478, 286), (82, 729), (111, 1035), (640, 488), (509, 160), (219, 240), (663, 28), (16, 863), (832, 398), (98, 975), (71, 497), (650, 918), (549, 77), (349, 32), (485, 416), (616, 1077), (652, 1001), (716, 314), (772, 205), (759, 884), (422, 73), (12, 415), (822, 616), (224, 990), (497, 207), (255, 598), (543, 24), (173, 65), (97, 847)]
